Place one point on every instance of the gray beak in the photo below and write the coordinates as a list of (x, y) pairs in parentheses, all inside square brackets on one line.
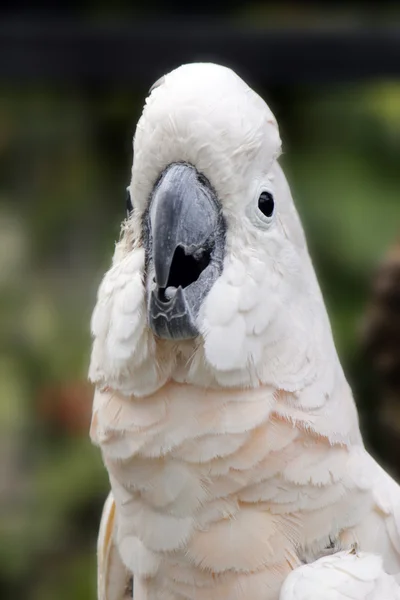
[(184, 242)]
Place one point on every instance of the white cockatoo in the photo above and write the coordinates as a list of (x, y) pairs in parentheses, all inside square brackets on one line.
[(225, 421)]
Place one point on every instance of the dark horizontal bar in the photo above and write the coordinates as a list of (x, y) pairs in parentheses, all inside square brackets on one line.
[(136, 53)]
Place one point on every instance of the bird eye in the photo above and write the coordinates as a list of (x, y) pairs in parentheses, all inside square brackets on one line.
[(129, 205), (266, 204)]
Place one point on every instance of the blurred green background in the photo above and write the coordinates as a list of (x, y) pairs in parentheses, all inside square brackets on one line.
[(65, 157)]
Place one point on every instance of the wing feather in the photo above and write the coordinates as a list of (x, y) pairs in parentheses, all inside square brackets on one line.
[(113, 579), (342, 576)]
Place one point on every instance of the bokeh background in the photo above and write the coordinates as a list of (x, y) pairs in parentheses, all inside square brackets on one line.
[(72, 84)]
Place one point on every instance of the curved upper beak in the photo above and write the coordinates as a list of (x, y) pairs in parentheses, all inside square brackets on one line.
[(184, 249)]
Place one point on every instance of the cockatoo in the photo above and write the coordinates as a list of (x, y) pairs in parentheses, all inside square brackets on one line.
[(224, 418)]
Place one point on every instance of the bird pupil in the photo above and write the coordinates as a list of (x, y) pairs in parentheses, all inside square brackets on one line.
[(266, 203)]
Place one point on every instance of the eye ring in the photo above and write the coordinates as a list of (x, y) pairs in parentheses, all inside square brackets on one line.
[(129, 205), (266, 204)]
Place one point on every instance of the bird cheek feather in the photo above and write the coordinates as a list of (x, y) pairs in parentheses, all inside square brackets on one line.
[(224, 345)]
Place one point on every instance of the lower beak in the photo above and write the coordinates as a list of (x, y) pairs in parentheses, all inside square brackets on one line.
[(184, 250)]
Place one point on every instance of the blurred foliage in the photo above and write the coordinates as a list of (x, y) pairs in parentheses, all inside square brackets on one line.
[(64, 164)]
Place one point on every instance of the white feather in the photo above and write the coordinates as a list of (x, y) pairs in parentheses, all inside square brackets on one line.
[(343, 576)]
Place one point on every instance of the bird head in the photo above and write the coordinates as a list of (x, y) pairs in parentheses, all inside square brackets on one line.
[(211, 282)]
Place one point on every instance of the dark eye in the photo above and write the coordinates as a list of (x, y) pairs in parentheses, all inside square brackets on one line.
[(266, 204), (129, 206)]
